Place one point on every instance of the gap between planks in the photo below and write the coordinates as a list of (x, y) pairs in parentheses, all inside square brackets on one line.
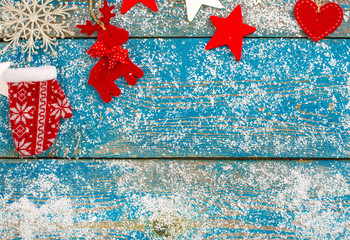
[(206, 159), (198, 37)]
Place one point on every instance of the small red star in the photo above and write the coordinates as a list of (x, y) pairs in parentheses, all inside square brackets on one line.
[(230, 32), (127, 4)]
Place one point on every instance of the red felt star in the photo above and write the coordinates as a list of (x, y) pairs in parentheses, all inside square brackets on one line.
[(230, 32), (127, 4)]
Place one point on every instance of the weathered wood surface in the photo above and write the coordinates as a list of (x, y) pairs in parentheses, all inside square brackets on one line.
[(7, 147), (286, 98), (272, 18), (184, 200)]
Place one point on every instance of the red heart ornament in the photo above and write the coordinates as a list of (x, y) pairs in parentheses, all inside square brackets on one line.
[(318, 25)]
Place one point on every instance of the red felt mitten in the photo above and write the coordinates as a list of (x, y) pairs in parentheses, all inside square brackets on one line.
[(37, 103), (114, 61), (318, 22)]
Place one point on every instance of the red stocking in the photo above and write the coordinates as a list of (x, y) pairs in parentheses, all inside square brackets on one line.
[(37, 103)]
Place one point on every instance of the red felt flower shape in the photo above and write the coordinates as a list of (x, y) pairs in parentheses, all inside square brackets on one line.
[(318, 25), (127, 4), (230, 32)]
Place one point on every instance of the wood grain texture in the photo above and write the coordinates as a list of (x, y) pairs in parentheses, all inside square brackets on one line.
[(286, 98), (6, 140), (272, 18), (184, 200)]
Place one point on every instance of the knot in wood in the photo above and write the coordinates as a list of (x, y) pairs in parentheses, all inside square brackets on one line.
[(167, 225)]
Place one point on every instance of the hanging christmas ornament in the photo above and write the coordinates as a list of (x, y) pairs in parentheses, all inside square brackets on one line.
[(114, 61), (317, 19), (33, 20), (127, 4), (37, 103), (193, 6), (230, 32)]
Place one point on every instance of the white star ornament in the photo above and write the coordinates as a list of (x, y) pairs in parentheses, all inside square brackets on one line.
[(192, 6)]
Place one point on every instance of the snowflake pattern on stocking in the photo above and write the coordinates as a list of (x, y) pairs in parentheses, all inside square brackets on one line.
[(21, 113), (22, 84), (23, 147), (61, 108)]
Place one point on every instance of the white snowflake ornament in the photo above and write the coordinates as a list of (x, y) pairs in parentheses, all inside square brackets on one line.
[(33, 20)]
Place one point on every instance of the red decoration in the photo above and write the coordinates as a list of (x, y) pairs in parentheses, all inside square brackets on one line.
[(230, 32), (116, 54), (37, 103), (317, 22), (114, 61), (127, 4)]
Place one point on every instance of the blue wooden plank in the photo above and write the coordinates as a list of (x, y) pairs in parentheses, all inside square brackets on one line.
[(186, 199), (286, 98), (271, 18)]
